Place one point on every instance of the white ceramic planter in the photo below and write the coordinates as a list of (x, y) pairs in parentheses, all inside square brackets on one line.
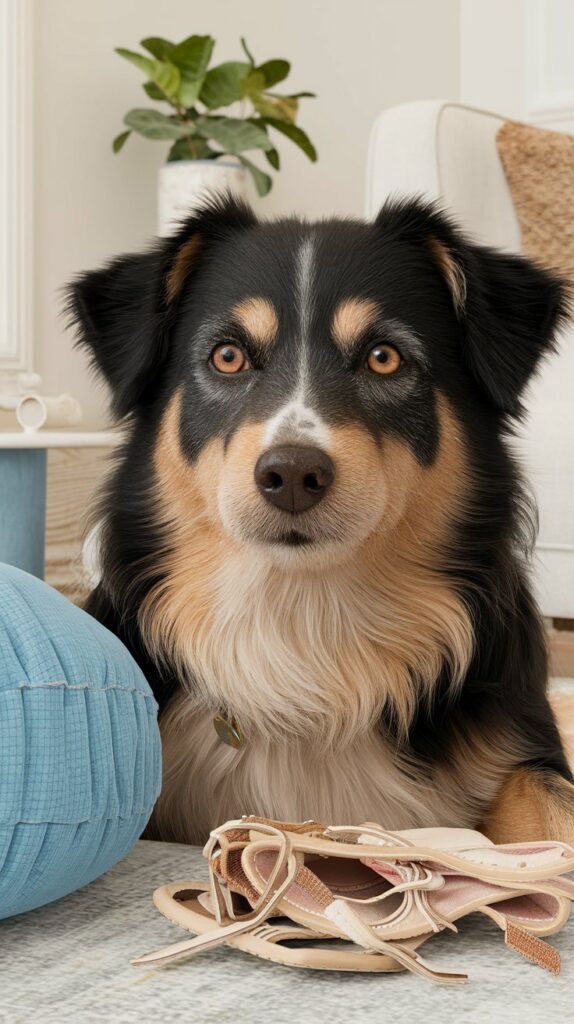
[(184, 184)]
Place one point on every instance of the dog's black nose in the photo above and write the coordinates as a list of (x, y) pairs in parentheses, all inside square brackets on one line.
[(294, 478)]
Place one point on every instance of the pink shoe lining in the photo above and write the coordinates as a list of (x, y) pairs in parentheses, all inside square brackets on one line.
[(458, 892)]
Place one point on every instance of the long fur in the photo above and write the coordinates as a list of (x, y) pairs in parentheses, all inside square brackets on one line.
[(394, 666)]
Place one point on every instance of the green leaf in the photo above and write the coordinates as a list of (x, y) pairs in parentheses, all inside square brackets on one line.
[(189, 90), (247, 51), (300, 95), (179, 151), (158, 47), (254, 84), (167, 77), (233, 134), (199, 150), (273, 158), (224, 84), (282, 108), (145, 64), (161, 72), (263, 182), (297, 135), (193, 55), (153, 91), (274, 71), (120, 140), (154, 125)]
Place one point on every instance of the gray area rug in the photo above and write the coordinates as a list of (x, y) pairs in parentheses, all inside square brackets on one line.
[(69, 961)]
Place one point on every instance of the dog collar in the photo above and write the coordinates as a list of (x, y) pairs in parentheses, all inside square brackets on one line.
[(228, 731)]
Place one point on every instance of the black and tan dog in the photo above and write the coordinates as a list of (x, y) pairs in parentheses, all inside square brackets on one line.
[(316, 529)]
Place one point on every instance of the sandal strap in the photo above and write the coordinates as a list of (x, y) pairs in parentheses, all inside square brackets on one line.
[(223, 851), (266, 904), (530, 946), (396, 848), (363, 935)]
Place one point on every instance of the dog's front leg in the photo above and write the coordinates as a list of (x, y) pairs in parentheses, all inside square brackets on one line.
[(532, 804)]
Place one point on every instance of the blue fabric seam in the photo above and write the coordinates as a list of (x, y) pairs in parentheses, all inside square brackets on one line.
[(26, 685), (84, 821)]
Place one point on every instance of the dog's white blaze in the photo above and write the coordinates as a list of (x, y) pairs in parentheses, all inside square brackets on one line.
[(304, 285), (297, 420)]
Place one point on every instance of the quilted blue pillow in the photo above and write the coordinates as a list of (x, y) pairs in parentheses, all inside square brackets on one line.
[(80, 764)]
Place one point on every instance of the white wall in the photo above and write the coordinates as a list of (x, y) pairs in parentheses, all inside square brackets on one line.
[(529, 57), (359, 57)]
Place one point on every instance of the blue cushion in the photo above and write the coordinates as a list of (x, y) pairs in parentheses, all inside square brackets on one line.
[(80, 764)]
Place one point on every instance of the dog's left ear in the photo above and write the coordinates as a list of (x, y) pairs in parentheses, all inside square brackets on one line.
[(124, 312), (509, 309)]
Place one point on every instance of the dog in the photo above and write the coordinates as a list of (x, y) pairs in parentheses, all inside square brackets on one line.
[(315, 538)]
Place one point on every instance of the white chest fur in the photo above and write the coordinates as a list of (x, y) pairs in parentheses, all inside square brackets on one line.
[(307, 663), (206, 782)]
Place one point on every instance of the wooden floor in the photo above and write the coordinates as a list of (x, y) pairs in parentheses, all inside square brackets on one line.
[(74, 475), (561, 644)]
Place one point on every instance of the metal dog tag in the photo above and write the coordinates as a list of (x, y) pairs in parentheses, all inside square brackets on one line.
[(228, 731)]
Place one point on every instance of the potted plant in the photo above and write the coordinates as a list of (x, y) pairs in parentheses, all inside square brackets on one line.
[(208, 146)]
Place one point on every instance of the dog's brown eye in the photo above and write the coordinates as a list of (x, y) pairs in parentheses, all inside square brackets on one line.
[(383, 359), (228, 358)]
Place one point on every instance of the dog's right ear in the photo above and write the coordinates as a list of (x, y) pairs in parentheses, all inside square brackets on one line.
[(509, 309), (124, 312)]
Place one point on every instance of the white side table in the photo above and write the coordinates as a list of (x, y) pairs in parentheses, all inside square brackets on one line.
[(23, 457)]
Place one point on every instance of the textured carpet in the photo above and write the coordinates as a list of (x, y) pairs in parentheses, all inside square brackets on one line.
[(70, 962)]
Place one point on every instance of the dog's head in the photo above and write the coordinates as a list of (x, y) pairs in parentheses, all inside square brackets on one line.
[(303, 380)]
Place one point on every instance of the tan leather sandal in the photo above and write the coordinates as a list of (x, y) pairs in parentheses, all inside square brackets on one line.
[(384, 893)]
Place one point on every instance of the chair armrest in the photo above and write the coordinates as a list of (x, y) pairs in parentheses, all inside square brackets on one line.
[(444, 151)]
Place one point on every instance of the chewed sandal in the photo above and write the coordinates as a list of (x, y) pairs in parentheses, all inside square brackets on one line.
[(383, 893)]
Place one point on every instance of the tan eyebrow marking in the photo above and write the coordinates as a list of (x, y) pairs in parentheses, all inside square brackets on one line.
[(259, 318), (352, 318), (181, 266), (451, 271)]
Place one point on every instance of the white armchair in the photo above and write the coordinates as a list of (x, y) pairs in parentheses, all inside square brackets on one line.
[(448, 152)]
